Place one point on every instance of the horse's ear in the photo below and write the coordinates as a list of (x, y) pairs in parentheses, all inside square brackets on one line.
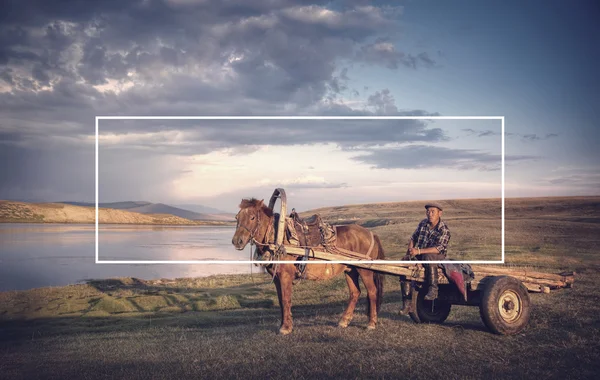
[(262, 202)]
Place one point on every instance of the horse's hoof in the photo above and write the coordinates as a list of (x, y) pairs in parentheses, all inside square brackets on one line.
[(283, 331), (371, 326), (343, 324)]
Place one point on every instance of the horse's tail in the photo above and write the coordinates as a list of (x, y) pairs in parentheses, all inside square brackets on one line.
[(379, 277)]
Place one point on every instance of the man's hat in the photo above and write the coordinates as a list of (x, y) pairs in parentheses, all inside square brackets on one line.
[(434, 204)]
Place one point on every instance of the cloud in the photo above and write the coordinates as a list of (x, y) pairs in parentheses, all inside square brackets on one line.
[(302, 182), (480, 133), (383, 102), (531, 137), (31, 173), (290, 49), (582, 177), (426, 156), (535, 137), (383, 52), (202, 136), (179, 57), (525, 137), (63, 63)]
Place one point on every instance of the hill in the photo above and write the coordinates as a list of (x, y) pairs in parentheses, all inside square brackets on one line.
[(201, 209), (160, 208), (116, 205), (20, 212), (532, 224)]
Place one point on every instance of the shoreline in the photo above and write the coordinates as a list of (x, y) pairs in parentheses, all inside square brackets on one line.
[(138, 280), (214, 224), (42, 213)]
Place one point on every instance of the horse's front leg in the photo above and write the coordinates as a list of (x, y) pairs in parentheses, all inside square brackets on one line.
[(283, 283), (354, 290)]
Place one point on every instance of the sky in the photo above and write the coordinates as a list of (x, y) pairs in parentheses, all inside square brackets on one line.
[(62, 63)]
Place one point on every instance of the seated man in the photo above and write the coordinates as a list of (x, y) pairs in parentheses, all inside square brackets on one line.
[(428, 243)]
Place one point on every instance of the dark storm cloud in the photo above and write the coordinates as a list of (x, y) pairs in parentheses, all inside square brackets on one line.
[(142, 175), (37, 174), (291, 45), (273, 57), (203, 136), (422, 156), (180, 57)]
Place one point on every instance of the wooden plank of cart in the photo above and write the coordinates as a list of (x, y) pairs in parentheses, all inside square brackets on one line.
[(500, 292)]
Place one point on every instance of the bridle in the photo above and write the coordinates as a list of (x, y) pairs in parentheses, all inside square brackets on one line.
[(253, 232), (269, 237)]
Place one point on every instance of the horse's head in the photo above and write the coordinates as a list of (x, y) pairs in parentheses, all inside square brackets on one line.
[(252, 221)]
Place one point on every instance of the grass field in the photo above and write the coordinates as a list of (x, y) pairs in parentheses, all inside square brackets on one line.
[(226, 326)]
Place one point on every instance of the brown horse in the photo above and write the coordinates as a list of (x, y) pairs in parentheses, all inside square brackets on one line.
[(255, 222)]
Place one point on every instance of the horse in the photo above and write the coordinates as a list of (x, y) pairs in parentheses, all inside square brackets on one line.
[(255, 222)]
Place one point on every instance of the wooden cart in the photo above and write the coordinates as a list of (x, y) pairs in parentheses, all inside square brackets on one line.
[(500, 292)]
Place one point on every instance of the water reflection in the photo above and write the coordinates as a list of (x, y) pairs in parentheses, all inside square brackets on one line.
[(52, 255)]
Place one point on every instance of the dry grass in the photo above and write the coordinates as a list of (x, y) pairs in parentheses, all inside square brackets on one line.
[(21, 212), (225, 326), (127, 329), (535, 227)]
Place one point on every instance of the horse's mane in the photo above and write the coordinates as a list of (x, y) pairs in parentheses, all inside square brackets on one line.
[(255, 203)]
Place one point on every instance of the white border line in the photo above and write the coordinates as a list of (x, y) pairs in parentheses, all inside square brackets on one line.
[(502, 189), (98, 118), (97, 212)]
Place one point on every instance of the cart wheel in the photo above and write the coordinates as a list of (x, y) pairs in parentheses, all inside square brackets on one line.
[(504, 305), (428, 311)]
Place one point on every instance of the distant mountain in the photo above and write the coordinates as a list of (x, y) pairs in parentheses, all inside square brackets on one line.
[(116, 205), (201, 209), (161, 208)]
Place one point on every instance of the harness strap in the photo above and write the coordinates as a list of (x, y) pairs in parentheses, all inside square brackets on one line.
[(348, 253), (372, 244), (345, 252)]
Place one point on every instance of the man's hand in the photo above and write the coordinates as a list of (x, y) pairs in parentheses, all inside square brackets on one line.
[(413, 251)]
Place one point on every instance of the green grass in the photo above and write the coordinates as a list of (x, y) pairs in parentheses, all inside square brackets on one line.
[(158, 331)]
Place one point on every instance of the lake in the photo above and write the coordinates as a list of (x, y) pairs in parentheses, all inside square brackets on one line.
[(38, 255)]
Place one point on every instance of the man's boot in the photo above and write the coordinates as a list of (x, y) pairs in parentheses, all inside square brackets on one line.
[(405, 290), (433, 283)]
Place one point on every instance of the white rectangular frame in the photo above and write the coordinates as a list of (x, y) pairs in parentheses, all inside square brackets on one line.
[(98, 118)]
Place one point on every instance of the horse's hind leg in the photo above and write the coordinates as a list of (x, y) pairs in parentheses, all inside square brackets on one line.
[(369, 281), (354, 289)]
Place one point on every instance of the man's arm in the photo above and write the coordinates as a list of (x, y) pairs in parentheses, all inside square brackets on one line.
[(442, 241), (417, 251), (411, 243)]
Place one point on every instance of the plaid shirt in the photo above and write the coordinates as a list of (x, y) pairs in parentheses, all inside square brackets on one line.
[(438, 237)]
